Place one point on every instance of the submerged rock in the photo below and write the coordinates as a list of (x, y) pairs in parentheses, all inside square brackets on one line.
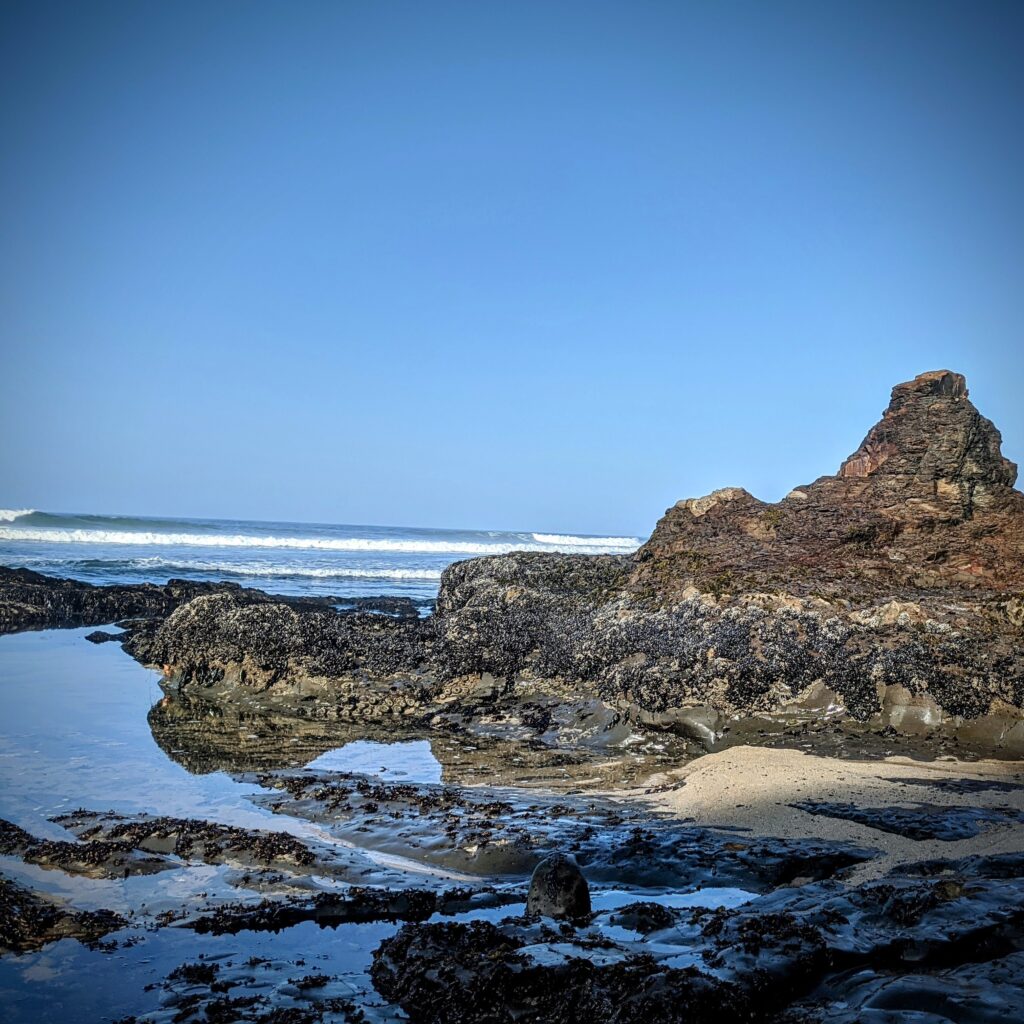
[(111, 859), (485, 832), (358, 905), (30, 920)]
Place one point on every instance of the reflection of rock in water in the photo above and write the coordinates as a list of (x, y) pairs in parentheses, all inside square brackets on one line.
[(205, 737)]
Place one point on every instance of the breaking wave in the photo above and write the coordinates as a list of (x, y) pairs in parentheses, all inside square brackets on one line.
[(572, 541), (226, 569), (145, 538), (8, 515)]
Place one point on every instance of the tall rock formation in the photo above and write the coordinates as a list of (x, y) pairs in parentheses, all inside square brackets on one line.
[(926, 503), (891, 592)]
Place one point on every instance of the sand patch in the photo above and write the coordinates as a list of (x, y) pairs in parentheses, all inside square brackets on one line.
[(754, 788)]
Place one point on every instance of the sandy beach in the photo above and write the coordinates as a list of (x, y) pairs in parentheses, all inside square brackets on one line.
[(754, 789)]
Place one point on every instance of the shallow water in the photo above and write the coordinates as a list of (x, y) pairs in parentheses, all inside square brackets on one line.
[(76, 732), (405, 761), (69, 983)]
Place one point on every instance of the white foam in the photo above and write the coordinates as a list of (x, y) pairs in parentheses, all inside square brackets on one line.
[(8, 515), (251, 569), (571, 541), (143, 538)]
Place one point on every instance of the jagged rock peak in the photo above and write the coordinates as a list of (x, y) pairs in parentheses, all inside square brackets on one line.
[(932, 435)]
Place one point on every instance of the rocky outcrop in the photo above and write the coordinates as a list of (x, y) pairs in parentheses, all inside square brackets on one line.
[(924, 510), (30, 600), (890, 594), (260, 642), (932, 433)]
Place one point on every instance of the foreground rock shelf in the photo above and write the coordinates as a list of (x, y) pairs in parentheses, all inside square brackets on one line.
[(756, 962), (683, 921)]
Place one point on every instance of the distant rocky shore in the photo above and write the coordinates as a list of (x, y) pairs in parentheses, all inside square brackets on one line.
[(887, 599)]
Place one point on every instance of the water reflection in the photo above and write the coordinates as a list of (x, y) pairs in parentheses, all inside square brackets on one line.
[(204, 737), (408, 761), (85, 726)]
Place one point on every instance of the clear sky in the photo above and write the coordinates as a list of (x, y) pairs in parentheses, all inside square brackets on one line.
[(527, 265)]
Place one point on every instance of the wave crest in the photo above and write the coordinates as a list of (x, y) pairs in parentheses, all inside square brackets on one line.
[(572, 541), (143, 538), (249, 569), (8, 515)]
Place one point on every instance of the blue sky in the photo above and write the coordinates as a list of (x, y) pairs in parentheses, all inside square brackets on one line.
[(527, 265)]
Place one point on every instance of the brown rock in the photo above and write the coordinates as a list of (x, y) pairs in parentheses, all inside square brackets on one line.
[(926, 502)]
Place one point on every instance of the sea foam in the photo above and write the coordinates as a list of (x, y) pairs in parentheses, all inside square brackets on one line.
[(147, 538), (573, 541), (8, 515), (171, 566)]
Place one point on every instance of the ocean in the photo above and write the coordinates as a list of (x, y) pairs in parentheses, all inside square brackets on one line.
[(285, 558)]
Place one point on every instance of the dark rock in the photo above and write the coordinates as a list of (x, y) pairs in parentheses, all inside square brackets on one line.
[(459, 973), (190, 839), (99, 636), (233, 639), (962, 786), (398, 607), (112, 859), (195, 974), (30, 920), (469, 830), (558, 889), (30, 600), (358, 905), (644, 917), (792, 955), (972, 993)]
